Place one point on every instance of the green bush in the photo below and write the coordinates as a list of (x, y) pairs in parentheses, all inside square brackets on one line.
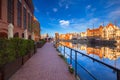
[(14, 48)]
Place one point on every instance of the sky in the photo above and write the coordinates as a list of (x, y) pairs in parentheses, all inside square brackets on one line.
[(67, 16)]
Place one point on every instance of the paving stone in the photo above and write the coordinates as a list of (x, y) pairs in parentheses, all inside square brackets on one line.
[(44, 65)]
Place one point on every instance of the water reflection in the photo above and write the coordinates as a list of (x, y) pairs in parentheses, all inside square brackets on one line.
[(108, 55), (112, 53)]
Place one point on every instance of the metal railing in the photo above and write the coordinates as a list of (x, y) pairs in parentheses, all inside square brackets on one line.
[(95, 60)]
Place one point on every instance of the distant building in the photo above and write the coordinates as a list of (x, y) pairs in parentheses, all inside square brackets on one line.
[(109, 32), (56, 36), (95, 33), (62, 36), (36, 29), (19, 13), (83, 35), (43, 36)]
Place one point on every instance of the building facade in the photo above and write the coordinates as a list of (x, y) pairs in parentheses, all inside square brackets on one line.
[(95, 33), (110, 32), (19, 13), (36, 29), (56, 36), (83, 35)]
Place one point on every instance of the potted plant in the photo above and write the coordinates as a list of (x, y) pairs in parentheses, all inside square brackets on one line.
[(70, 68)]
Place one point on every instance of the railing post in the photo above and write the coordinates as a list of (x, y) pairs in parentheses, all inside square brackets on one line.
[(75, 63), (64, 50), (70, 56), (118, 75)]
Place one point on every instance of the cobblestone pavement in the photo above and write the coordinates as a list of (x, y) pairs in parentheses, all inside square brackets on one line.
[(44, 65)]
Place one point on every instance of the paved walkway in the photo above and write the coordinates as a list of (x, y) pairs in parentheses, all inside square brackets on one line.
[(44, 65)]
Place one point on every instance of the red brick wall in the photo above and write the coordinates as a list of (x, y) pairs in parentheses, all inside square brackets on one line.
[(3, 20), (0, 8)]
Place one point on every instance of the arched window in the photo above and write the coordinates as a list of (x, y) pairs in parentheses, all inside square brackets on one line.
[(24, 17), (22, 35), (0, 8), (16, 34), (19, 13), (29, 37), (10, 11)]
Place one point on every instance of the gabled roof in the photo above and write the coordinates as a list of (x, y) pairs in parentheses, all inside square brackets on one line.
[(110, 24)]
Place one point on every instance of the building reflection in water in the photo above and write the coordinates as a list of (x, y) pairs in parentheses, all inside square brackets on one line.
[(101, 52)]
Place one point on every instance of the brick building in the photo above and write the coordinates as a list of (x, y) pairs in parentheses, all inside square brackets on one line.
[(19, 13), (95, 33), (36, 29)]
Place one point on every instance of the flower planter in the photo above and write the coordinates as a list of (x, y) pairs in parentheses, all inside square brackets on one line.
[(10, 68), (70, 68)]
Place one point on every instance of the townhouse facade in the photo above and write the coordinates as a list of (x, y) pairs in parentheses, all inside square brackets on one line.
[(18, 13)]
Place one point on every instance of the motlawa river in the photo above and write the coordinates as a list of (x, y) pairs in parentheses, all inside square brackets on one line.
[(98, 63)]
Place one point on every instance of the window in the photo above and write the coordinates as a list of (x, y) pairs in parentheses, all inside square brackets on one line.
[(29, 24), (24, 19), (10, 11), (0, 8), (19, 14)]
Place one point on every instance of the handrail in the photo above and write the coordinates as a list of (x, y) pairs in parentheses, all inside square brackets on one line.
[(84, 69), (116, 69)]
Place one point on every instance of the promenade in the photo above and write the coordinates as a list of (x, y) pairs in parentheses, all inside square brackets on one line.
[(44, 65)]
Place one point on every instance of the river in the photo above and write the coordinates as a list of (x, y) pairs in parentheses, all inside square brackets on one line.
[(89, 69)]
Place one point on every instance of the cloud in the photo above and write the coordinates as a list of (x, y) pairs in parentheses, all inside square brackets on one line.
[(66, 7), (65, 3), (83, 24), (55, 9), (36, 9), (64, 23), (111, 3), (115, 15), (88, 6), (61, 3)]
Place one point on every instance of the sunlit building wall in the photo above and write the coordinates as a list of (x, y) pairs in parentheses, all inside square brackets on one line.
[(43, 36), (117, 36), (36, 29), (95, 33), (110, 32), (56, 36), (19, 13), (83, 35)]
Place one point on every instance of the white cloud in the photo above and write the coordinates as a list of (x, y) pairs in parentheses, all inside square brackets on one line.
[(55, 9), (65, 3), (83, 24), (61, 3), (36, 9), (111, 3), (88, 7), (115, 15), (64, 23), (66, 7)]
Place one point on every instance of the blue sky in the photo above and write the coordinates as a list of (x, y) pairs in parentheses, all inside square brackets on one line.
[(66, 16)]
